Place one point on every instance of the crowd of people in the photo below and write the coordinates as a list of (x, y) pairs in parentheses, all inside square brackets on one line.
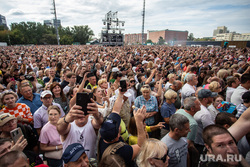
[(180, 106)]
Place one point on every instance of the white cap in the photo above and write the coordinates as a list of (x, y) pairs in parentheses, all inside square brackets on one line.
[(115, 69), (46, 92), (241, 57), (144, 62)]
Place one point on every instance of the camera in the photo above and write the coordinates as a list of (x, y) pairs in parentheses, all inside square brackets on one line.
[(29, 78)]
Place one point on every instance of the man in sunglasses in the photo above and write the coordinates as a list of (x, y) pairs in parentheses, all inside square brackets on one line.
[(176, 141)]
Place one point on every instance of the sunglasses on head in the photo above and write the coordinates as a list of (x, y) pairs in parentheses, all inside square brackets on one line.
[(164, 158)]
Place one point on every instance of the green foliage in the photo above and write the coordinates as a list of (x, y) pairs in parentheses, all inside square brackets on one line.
[(161, 41), (190, 37), (149, 41), (37, 33)]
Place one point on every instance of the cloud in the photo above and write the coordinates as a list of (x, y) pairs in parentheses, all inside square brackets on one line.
[(16, 12), (200, 17)]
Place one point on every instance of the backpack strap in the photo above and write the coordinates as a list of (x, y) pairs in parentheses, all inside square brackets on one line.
[(111, 149)]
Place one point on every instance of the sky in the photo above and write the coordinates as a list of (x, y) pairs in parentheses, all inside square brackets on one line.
[(199, 17)]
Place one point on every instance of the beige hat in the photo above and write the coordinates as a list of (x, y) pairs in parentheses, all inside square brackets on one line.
[(5, 117)]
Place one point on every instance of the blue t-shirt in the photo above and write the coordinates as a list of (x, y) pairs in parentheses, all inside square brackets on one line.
[(166, 111), (34, 104)]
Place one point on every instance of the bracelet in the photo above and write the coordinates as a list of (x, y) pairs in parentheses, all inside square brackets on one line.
[(56, 148), (65, 120)]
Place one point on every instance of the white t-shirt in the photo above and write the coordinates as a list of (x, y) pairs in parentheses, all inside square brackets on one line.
[(186, 91), (236, 97), (167, 85), (85, 135), (229, 93), (203, 118)]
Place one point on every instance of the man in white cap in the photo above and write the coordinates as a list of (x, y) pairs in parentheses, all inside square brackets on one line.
[(41, 115)]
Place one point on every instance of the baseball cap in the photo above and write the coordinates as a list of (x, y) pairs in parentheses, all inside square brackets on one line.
[(144, 62), (5, 117), (46, 92), (205, 93), (73, 152), (115, 69), (110, 127)]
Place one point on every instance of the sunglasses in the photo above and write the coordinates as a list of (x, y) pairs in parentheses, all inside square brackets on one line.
[(164, 158), (132, 81)]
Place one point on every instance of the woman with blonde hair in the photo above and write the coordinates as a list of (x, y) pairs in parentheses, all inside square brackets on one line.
[(150, 65), (150, 102), (153, 153), (101, 99), (222, 74), (215, 87), (168, 109)]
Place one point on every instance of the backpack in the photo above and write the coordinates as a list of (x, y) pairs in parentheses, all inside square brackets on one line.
[(111, 149)]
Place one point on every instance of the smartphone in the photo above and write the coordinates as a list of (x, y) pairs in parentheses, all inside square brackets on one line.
[(82, 99), (123, 85), (16, 134)]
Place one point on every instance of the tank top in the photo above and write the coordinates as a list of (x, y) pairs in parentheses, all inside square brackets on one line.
[(84, 135)]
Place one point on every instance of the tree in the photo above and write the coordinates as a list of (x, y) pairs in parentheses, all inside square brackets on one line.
[(4, 36), (191, 37), (82, 34), (149, 41), (161, 41), (37, 33)]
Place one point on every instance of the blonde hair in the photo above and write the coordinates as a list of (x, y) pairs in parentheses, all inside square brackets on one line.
[(151, 148), (145, 87), (101, 81), (170, 94), (94, 89), (150, 64), (222, 73), (213, 86), (54, 107), (171, 75)]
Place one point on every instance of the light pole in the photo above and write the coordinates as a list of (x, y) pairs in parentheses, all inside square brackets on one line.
[(55, 23), (143, 18)]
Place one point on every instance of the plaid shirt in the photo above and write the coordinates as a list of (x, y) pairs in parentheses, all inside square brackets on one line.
[(240, 109), (151, 105)]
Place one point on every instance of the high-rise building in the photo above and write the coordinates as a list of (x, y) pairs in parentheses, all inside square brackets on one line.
[(220, 30), (3, 21)]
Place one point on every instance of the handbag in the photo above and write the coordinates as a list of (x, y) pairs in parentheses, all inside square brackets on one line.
[(54, 154)]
